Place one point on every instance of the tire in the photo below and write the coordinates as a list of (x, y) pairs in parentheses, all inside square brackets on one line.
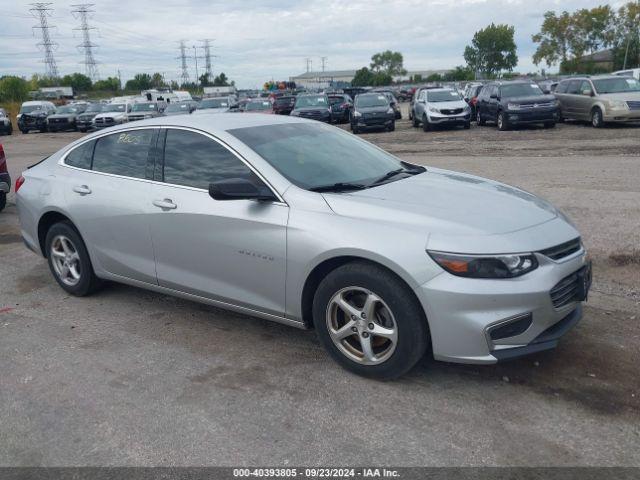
[(560, 117), (354, 130), (3, 200), (392, 127), (596, 118), (79, 279), (549, 124), (426, 126), (24, 131), (410, 114), (396, 310), (502, 122), (467, 125), (82, 130), (415, 122), (479, 120)]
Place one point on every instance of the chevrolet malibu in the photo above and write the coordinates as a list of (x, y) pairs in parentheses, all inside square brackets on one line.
[(305, 224)]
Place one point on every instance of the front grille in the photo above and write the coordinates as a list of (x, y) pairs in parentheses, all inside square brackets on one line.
[(451, 111), (563, 250), (633, 105), (133, 118), (537, 105), (565, 291), (104, 120), (58, 120), (311, 114)]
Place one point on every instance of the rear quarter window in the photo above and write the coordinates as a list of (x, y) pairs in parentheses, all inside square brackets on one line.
[(80, 156)]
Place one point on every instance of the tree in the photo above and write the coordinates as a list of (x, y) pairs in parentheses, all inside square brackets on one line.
[(460, 73), (77, 81), (388, 62), (626, 39), (492, 50), (157, 80), (434, 77), (555, 39), (592, 29), (362, 78), (381, 79), (221, 80), (13, 89), (204, 80), (110, 84), (140, 81)]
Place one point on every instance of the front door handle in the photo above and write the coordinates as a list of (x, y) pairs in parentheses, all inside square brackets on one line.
[(82, 189), (167, 203)]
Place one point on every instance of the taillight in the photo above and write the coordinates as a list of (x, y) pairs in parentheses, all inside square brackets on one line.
[(19, 183)]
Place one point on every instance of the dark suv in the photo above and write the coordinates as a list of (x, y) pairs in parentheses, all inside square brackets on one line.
[(314, 106), (372, 110), (512, 103), (284, 104), (341, 106)]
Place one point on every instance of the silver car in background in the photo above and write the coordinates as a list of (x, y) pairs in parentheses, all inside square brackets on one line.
[(305, 224), (440, 106)]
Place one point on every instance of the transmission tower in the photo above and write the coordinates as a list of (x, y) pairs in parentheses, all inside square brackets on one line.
[(324, 61), (207, 58), (82, 11), (41, 11), (183, 62)]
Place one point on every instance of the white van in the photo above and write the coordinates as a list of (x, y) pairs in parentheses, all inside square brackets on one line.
[(631, 72)]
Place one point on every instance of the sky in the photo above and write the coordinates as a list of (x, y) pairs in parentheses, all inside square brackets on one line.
[(259, 40)]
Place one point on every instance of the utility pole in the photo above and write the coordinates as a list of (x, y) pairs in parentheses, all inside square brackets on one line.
[(119, 80), (195, 57), (207, 58), (183, 63), (309, 65), (41, 11), (323, 60), (82, 12)]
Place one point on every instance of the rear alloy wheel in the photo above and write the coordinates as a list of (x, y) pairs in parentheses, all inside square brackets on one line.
[(596, 118), (369, 321), (69, 260), (502, 122), (479, 120)]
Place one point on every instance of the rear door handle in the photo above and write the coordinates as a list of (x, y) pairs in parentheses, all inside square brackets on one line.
[(167, 203), (82, 189)]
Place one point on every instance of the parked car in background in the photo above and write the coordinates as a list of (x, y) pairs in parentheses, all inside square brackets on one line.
[(84, 120), (372, 111), (517, 102), (313, 106), (341, 107), (441, 107), (111, 114), (33, 115), (5, 179), (600, 99), (65, 118), (548, 86), (143, 110), (354, 91), (632, 72), (304, 224), (6, 127), (470, 95), (215, 105), (393, 101), (284, 104), (259, 105), (179, 108)]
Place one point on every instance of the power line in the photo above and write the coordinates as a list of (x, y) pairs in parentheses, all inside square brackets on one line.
[(41, 11), (183, 62), (90, 65)]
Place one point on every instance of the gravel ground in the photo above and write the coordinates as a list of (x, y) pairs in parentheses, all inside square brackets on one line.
[(129, 377)]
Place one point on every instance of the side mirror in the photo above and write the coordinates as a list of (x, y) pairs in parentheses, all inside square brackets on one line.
[(239, 189), (587, 92), (494, 96)]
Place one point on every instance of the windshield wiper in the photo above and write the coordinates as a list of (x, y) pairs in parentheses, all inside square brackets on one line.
[(338, 187), (391, 174)]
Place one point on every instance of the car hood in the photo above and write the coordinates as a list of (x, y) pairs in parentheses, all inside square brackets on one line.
[(63, 115), (449, 105), (621, 96), (111, 115), (201, 111), (87, 115), (458, 212)]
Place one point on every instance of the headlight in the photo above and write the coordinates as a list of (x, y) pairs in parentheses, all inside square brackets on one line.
[(356, 113), (513, 106), (434, 109), (617, 105), (486, 266), (390, 111)]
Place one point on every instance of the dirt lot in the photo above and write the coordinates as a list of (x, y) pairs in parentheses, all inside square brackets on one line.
[(129, 377)]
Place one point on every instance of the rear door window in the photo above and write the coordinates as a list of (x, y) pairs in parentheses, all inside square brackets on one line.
[(124, 153), (80, 157)]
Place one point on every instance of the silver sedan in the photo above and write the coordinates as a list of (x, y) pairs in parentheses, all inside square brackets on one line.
[(305, 224)]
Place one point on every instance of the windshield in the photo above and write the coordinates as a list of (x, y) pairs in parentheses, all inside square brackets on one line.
[(114, 107), (284, 100), (443, 96), (177, 107), (371, 101), (311, 156), (66, 110), (142, 107), (93, 108), (213, 103), (261, 105), (30, 108), (520, 90), (616, 85), (311, 101)]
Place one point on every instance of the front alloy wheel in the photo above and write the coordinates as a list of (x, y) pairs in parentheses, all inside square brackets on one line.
[(361, 326), (65, 260)]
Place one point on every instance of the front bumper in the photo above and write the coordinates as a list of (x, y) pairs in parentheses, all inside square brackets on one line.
[(463, 311), (5, 127), (377, 121), (521, 117), (440, 119), (5, 182), (621, 115), (84, 124), (32, 123), (60, 126)]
